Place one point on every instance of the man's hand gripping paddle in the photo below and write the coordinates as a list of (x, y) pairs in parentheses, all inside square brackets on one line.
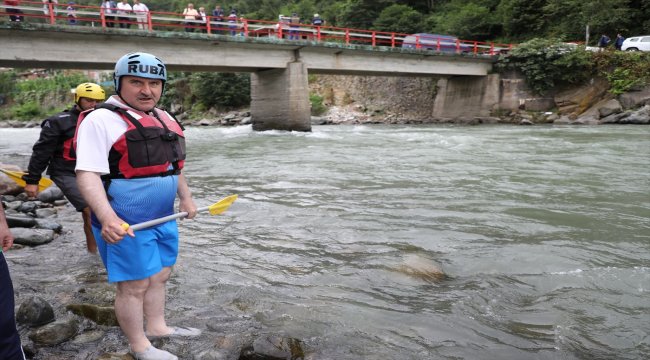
[(17, 176), (214, 209)]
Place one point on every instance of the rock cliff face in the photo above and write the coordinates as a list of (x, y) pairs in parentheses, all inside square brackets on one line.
[(492, 99), (381, 97)]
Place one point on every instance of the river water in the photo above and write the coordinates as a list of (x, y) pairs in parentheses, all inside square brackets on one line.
[(543, 233)]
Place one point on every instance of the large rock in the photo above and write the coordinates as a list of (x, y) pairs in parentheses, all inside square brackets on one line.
[(55, 333), (28, 207), (635, 99), (610, 107), (539, 104), (578, 100), (8, 186), (45, 213), (20, 220), (49, 225), (421, 267), (274, 347), (638, 117), (50, 195), (102, 315), (32, 237), (35, 311)]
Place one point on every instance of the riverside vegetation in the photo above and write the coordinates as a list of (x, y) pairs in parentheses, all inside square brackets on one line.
[(484, 20), (548, 66)]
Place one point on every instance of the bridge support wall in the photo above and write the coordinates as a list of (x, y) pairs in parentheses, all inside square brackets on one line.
[(280, 99), (466, 96)]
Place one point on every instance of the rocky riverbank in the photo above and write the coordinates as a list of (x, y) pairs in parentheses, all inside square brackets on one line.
[(603, 113), (64, 304), (609, 111)]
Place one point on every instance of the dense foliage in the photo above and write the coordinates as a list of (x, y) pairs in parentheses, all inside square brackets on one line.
[(547, 64), (502, 20)]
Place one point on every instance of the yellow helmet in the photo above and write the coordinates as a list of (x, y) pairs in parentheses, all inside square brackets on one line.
[(89, 90)]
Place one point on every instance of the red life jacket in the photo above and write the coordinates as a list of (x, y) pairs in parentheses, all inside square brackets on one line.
[(150, 146)]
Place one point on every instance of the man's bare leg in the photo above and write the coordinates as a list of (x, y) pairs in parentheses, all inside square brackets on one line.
[(154, 303), (129, 305), (91, 245)]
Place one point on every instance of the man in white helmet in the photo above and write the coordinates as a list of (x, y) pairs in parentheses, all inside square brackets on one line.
[(53, 150), (129, 169)]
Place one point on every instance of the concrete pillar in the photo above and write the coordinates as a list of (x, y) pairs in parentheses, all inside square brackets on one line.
[(466, 96), (280, 99)]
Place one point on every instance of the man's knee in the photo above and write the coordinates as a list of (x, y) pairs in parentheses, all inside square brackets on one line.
[(135, 288), (162, 276)]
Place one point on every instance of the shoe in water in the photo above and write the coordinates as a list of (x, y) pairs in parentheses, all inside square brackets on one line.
[(151, 353), (179, 331)]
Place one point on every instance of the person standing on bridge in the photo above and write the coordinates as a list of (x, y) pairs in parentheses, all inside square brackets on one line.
[(204, 19), (11, 6), (109, 7), (46, 6), (123, 11), (191, 15), (72, 13), (218, 17), (317, 21), (127, 180), (293, 27), (141, 14), (232, 22), (53, 150)]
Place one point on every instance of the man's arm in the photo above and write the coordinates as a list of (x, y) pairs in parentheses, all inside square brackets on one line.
[(42, 153), (6, 239), (185, 196), (92, 189)]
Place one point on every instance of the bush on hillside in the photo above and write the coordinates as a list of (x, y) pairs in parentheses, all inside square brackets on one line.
[(547, 64), (623, 69)]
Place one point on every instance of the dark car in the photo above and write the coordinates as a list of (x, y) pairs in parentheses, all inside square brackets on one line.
[(435, 42)]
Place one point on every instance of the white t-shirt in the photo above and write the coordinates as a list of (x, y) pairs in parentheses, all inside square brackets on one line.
[(123, 8), (96, 135), (140, 9)]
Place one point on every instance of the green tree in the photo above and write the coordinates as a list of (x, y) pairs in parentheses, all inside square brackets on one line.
[(400, 19), (224, 90), (468, 20), (360, 14), (569, 18), (522, 18)]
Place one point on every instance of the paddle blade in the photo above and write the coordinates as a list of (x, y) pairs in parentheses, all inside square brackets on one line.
[(221, 206), (17, 176)]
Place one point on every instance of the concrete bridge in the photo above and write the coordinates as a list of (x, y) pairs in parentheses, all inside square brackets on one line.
[(278, 68)]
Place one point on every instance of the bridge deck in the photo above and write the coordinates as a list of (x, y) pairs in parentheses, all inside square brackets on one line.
[(42, 45)]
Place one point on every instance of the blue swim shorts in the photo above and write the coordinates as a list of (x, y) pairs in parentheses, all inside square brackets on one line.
[(139, 257)]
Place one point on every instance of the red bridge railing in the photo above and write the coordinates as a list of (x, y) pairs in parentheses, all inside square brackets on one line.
[(96, 16)]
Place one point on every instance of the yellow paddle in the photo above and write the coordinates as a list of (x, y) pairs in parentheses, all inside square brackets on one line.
[(17, 176), (214, 209)]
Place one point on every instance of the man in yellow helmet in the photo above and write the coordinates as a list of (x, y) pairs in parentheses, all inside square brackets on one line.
[(54, 150)]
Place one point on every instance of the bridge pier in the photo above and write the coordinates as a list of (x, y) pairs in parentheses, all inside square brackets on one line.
[(280, 99), (466, 96)]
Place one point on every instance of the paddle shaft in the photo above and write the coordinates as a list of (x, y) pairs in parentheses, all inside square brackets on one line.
[(161, 220)]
